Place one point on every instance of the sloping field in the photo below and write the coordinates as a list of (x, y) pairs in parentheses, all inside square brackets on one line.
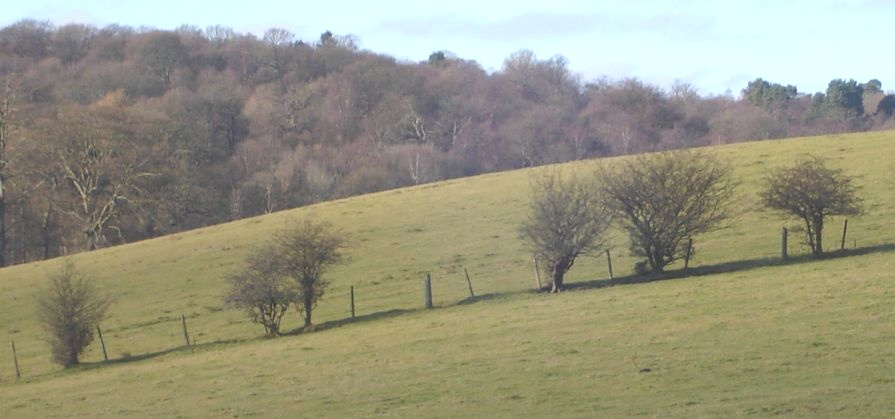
[(753, 337)]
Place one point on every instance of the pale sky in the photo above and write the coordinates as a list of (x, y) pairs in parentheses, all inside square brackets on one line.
[(713, 45)]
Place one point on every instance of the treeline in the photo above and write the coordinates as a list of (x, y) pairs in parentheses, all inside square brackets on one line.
[(117, 134)]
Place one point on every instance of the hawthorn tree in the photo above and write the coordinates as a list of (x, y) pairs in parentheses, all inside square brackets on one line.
[(69, 309), (262, 290), (304, 254), (811, 191), (288, 270), (663, 200), (567, 219)]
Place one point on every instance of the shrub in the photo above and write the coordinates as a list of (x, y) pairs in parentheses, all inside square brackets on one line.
[(663, 200), (70, 308), (289, 270), (811, 191), (304, 254), (262, 290), (567, 220)]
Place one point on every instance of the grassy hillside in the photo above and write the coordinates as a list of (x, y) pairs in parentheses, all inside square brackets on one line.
[(762, 338)]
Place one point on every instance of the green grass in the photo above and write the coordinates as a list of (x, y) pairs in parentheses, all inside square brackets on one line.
[(755, 337)]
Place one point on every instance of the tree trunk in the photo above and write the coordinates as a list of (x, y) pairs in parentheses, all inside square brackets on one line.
[(45, 232), (308, 306), (818, 236), (559, 272), (5, 113), (2, 224), (655, 260), (268, 198), (91, 240), (810, 230)]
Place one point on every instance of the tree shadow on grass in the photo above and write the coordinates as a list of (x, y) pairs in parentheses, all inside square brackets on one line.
[(295, 332), (332, 324), (149, 355), (480, 298), (379, 315), (206, 345), (727, 267)]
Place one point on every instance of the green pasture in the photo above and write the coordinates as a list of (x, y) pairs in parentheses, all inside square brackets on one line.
[(746, 334)]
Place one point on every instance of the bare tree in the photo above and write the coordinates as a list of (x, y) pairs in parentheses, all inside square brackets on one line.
[(665, 199), (28, 37), (262, 290), (71, 43), (69, 309), (811, 191), (161, 53), (99, 168), (304, 254), (567, 219), (630, 114), (220, 34), (6, 110), (278, 39), (96, 204)]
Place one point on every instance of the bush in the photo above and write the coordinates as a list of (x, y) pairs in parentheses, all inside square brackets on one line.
[(289, 270), (567, 219), (663, 200), (304, 254), (262, 291), (811, 191), (70, 308)]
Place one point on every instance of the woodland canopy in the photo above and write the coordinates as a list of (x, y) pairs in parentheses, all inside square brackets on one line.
[(116, 134)]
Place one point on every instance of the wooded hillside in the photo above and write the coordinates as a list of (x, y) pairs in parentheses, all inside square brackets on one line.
[(116, 134)]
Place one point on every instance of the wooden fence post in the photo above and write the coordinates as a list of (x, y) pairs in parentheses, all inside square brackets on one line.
[(186, 335), (534, 261), (427, 290), (783, 243), (352, 302), (844, 230), (15, 360), (102, 343), (609, 262), (469, 283)]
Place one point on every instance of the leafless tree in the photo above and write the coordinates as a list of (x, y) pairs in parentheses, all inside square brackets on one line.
[(96, 162), (28, 38), (262, 290), (567, 219), (811, 191), (220, 34), (69, 309), (277, 40), (161, 53), (305, 253), (6, 110), (71, 43), (663, 200)]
